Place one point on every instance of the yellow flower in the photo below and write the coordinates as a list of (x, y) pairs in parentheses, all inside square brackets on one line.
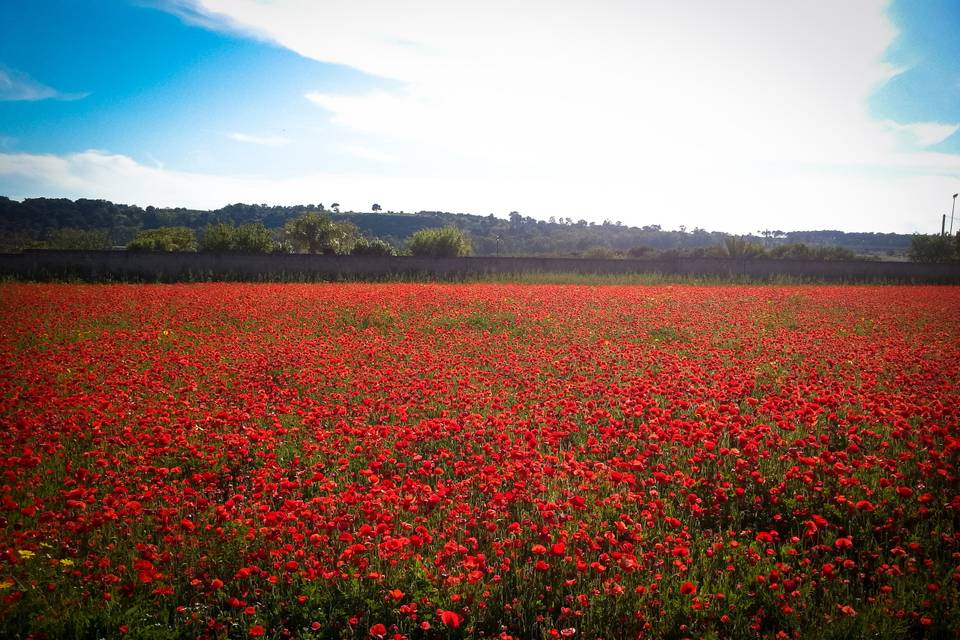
[(25, 554), (67, 562), (6, 583)]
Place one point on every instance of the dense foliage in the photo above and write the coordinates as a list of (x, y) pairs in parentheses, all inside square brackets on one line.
[(801, 251), (446, 242), (226, 237), (29, 223), (77, 239), (164, 239), (374, 247), (319, 233), (934, 248), (499, 461)]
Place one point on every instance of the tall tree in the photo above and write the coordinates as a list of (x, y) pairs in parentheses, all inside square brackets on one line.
[(319, 233)]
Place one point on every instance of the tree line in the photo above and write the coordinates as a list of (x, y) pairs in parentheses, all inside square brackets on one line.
[(315, 233), (87, 224)]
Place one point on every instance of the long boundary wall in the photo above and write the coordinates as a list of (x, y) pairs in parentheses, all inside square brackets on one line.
[(174, 267)]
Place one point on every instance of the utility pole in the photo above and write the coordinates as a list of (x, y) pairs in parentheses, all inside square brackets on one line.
[(954, 206), (943, 225)]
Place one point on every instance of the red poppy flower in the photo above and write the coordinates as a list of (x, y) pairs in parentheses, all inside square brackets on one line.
[(450, 619)]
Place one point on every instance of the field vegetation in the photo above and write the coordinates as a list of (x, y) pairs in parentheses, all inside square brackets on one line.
[(479, 460)]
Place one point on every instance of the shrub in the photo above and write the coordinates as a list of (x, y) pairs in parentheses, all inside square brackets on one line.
[(640, 251), (374, 247), (218, 237), (254, 238), (164, 239), (599, 252), (800, 251), (737, 247), (247, 238), (446, 242), (78, 239), (715, 251)]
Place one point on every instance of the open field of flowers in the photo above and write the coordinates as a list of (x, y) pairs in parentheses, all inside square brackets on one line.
[(407, 461)]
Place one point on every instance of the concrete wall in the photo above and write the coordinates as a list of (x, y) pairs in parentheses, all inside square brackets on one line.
[(173, 267)]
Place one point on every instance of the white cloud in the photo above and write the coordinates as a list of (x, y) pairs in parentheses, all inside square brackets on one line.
[(18, 86), (904, 203), (640, 101), (365, 153), (924, 134), (264, 141), (190, 12)]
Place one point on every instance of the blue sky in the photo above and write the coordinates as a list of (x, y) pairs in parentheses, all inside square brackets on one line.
[(928, 50), (761, 115)]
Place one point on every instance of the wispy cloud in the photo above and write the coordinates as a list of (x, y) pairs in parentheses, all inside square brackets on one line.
[(264, 141), (191, 12), (19, 86), (924, 134)]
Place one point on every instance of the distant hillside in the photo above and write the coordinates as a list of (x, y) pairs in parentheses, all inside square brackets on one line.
[(27, 223)]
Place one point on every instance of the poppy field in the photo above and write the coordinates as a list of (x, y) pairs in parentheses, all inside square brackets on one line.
[(479, 461)]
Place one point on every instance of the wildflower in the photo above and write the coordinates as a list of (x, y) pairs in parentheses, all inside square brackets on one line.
[(450, 619)]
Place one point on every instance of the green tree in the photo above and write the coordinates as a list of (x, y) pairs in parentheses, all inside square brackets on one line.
[(374, 247), (935, 248), (737, 247), (218, 237), (319, 233), (164, 239), (801, 251), (78, 239), (375, 207), (446, 242), (247, 238), (254, 238)]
